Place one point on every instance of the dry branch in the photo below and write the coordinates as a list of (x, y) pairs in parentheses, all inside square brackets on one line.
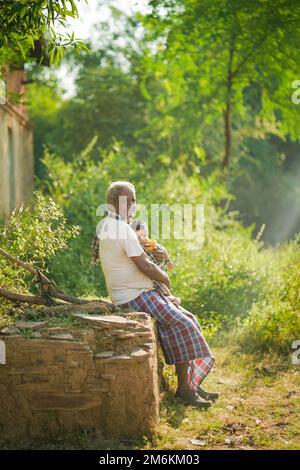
[(29, 299), (49, 291)]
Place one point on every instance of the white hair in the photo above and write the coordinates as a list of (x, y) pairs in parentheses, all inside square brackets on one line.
[(116, 188)]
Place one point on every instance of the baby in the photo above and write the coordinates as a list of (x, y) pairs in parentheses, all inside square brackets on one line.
[(149, 246)]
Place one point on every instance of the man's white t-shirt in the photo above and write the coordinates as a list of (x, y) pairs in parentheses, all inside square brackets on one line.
[(118, 243)]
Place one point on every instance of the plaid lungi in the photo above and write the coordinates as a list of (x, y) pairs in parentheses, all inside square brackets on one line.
[(179, 333)]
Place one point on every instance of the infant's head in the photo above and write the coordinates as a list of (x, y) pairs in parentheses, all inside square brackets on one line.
[(141, 229)]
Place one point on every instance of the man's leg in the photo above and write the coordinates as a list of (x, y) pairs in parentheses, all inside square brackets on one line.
[(184, 391), (181, 371), (182, 341)]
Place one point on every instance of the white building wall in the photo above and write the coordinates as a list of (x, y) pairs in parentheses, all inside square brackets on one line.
[(22, 159)]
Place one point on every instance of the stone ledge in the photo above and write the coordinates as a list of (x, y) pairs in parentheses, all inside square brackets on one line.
[(104, 377), (106, 321)]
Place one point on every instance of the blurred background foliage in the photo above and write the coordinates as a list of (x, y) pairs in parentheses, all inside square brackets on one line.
[(190, 101)]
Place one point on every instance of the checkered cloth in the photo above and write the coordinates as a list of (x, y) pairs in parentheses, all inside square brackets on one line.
[(179, 333)]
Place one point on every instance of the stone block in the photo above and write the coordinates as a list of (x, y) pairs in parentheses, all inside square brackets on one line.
[(104, 354), (32, 325), (71, 378), (62, 336), (10, 330)]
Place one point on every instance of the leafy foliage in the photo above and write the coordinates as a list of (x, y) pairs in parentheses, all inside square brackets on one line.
[(28, 27), (35, 235), (273, 323), (208, 55), (153, 111), (163, 95), (222, 278)]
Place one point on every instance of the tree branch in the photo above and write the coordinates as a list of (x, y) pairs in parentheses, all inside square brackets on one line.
[(49, 290), (29, 299)]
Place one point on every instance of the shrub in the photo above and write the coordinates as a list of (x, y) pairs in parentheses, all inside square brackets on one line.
[(35, 235), (273, 323)]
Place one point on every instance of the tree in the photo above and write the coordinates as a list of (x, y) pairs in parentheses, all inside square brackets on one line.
[(27, 28), (211, 58)]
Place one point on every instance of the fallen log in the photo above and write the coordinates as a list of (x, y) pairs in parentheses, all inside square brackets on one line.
[(28, 299), (88, 306)]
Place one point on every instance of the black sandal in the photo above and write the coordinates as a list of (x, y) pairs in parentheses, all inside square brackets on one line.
[(192, 398), (213, 396)]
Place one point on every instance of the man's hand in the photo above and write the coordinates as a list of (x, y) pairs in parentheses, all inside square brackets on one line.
[(176, 300), (151, 270), (165, 289)]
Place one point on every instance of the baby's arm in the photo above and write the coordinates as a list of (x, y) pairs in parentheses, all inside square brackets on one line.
[(169, 263)]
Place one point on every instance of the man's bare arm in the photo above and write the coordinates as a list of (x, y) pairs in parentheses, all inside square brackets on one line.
[(150, 269)]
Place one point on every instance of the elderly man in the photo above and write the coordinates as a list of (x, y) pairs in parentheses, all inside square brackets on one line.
[(129, 276)]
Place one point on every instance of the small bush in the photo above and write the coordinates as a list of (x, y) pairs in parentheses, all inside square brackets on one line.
[(273, 323), (34, 235)]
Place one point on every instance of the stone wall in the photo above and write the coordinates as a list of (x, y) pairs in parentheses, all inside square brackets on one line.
[(102, 376)]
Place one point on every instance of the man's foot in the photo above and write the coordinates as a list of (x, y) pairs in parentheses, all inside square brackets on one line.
[(192, 398), (213, 396)]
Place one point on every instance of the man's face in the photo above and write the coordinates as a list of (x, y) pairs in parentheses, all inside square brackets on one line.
[(126, 205)]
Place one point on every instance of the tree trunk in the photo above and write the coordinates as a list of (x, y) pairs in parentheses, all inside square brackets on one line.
[(228, 135), (228, 113)]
